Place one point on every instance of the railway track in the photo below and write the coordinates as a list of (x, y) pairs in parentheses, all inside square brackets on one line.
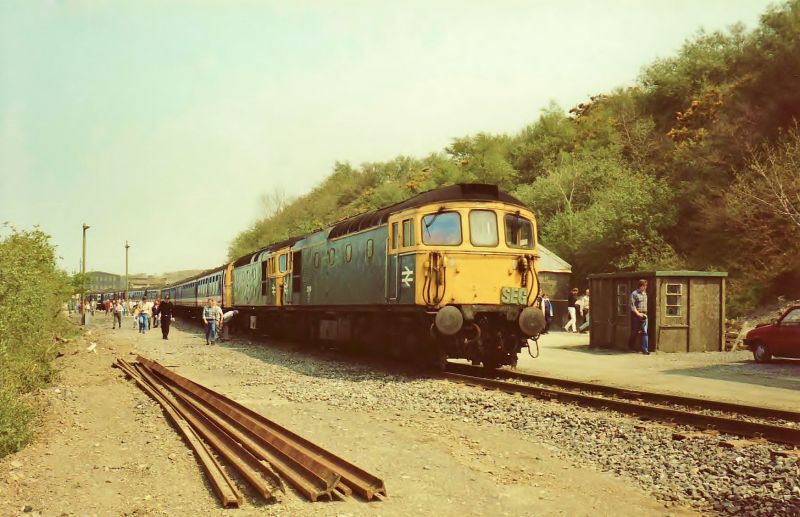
[(729, 418), (263, 452)]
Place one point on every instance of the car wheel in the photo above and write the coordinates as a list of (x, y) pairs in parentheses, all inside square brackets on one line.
[(761, 353)]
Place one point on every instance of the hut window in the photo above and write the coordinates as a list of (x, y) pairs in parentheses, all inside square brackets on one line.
[(674, 299), (331, 256), (622, 299), (408, 232), (370, 249), (316, 260), (348, 252)]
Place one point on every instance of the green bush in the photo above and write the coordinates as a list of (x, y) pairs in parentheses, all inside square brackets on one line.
[(32, 293)]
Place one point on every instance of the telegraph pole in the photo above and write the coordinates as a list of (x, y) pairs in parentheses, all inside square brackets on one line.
[(83, 277), (126, 271)]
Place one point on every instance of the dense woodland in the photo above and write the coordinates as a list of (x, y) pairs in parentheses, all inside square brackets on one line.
[(695, 166)]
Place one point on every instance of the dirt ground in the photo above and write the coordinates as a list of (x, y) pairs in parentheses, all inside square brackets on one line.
[(104, 448)]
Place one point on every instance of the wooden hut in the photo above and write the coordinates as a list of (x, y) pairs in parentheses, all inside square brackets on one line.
[(686, 309)]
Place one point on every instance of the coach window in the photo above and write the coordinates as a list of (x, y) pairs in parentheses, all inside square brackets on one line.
[(331, 256), (483, 228), (408, 232), (282, 263), (441, 229), (370, 249), (519, 232), (348, 252)]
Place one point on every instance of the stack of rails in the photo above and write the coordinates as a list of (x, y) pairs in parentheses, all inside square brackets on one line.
[(263, 452), (660, 407)]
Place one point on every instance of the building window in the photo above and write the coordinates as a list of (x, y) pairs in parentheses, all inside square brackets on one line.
[(674, 299), (331, 256), (622, 299), (408, 232), (348, 252), (370, 249)]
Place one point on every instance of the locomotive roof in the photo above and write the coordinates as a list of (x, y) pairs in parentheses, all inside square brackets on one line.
[(458, 192), (274, 246)]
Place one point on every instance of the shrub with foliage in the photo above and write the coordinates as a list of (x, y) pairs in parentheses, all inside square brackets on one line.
[(32, 293)]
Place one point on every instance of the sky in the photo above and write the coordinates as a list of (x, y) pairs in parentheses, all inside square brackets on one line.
[(162, 122)]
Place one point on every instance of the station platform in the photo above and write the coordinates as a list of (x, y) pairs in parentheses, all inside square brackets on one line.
[(724, 376)]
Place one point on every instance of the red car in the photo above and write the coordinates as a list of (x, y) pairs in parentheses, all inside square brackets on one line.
[(780, 338)]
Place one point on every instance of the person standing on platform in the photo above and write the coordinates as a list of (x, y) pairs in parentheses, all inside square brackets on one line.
[(156, 311), (144, 316), (572, 308), (547, 309), (584, 301), (638, 305), (148, 311), (165, 314)]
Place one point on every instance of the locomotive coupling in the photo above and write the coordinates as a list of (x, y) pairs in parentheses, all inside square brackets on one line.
[(531, 321), (449, 320)]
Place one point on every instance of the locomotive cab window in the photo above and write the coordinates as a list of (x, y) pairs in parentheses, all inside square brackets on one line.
[(483, 228), (282, 263), (408, 232), (395, 235), (519, 232), (441, 229)]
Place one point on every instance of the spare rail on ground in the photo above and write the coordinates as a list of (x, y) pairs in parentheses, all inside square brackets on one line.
[(258, 448)]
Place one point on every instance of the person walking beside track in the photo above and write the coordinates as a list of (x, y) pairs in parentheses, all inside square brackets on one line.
[(638, 305), (212, 316), (572, 308), (584, 301), (165, 313), (117, 310)]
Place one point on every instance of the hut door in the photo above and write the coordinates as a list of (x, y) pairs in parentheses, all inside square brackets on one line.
[(621, 312)]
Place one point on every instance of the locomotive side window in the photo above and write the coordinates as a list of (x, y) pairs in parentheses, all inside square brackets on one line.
[(316, 260), (483, 228), (331, 256), (395, 235), (519, 232), (441, 229), (370, 249), (408, 232), (348, 252)]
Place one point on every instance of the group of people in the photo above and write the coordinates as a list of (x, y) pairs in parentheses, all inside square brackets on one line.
[(577, 307), (146, 314), (214, 320)]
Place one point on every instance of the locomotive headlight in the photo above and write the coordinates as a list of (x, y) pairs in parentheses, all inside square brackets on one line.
[(449, 320), (531, 321)]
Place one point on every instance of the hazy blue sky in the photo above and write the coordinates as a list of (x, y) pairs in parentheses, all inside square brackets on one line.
[(162, 122)]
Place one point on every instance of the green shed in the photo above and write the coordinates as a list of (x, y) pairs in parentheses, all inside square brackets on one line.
[(686, 309)]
